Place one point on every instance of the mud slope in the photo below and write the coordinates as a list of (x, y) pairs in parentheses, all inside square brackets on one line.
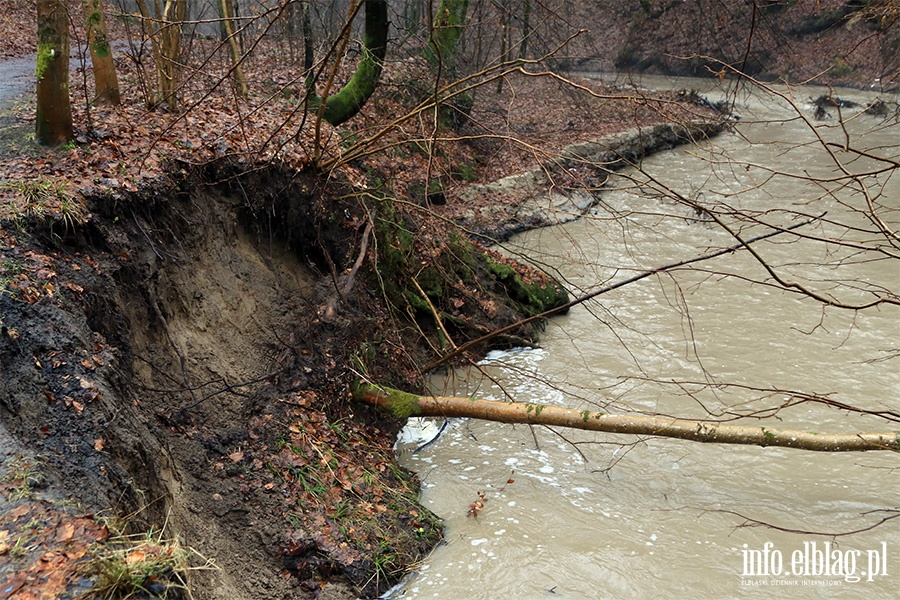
[(144, 365)]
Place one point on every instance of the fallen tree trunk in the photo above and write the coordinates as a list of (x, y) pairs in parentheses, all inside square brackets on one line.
[(405, 405)]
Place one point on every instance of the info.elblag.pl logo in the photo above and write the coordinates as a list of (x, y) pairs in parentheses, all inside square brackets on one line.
[(813, 560)]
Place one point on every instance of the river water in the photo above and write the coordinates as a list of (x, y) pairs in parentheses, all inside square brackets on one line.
[(575, 515)]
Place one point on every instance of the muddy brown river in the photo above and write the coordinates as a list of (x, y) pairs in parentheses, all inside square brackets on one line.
[(574, 515)]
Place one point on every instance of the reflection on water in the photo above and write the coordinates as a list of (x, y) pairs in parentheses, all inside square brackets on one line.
[(576, 515)]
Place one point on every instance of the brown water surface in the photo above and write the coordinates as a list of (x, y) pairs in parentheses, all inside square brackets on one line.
[(600, 516)]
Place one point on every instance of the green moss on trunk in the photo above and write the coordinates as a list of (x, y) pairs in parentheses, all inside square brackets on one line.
[(54, 109), (343, 105), (447, 29)]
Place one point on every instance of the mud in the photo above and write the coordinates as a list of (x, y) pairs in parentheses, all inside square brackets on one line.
[(16, 78), (166, 333)]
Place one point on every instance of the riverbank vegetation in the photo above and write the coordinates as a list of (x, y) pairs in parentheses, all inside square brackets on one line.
[(292, 197)]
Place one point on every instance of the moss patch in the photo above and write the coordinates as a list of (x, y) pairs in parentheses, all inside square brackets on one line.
[(451, 288), (533, 295)]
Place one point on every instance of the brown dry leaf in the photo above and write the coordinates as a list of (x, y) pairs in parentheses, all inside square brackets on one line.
[(19, 512), (65, 532), (135, 557), (99, 443), (78, 406), (76, 553), (236, 456)]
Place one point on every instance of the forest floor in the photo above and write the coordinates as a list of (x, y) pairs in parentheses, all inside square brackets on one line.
[(180, 318)]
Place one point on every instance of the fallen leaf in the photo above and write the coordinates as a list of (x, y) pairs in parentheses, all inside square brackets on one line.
[(19, 512), (64, 533), (76, 554), (99, 443), (236, 456)]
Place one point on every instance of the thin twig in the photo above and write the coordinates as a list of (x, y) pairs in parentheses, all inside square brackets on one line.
[(582, 299)]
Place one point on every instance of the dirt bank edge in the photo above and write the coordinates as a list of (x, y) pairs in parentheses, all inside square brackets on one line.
[(567, 187)]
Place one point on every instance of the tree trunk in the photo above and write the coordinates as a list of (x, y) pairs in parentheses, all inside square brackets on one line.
[(169, 68), (406, 405), (240, 81), (526, 30), (343, 105), (505, 40), (308, 61), (445, 33), (105, 80), (165, 37), (54, 108)]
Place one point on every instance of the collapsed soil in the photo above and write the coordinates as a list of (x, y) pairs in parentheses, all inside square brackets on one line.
[(160, 367)]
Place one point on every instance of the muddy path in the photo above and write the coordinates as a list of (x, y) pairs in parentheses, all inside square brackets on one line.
[(16, 79)]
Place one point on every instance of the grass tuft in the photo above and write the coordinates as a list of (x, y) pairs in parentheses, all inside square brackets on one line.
[(141, 565)]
